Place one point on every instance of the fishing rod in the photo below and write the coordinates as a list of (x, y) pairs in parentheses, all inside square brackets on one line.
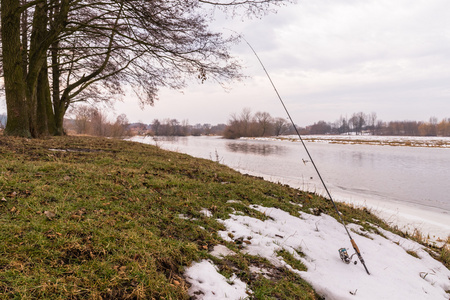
[(343, 253)]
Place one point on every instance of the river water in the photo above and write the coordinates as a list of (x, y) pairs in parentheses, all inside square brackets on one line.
[(407, 186)]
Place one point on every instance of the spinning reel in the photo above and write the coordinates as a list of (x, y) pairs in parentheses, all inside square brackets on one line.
[(345, 257)]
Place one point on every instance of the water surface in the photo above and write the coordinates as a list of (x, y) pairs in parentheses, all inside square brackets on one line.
[(405, 176)]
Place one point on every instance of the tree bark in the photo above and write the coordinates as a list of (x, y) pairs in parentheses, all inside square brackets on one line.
[(17, 109), (45, 116), (38, 90), (38, 51)]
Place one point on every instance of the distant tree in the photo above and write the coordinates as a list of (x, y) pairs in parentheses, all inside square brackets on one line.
[(119, 128), (170, 127), (155, 127), (99, 123), (433, 126), (410, 128), (443, 128), (264, 124), (234, 128), (320, 127), (245, 119), (380, 127), (184, 128), (358, 120), (343, 126), (206, 129), (83, 115), (280, 126), (217, 129), (372, 121), (430, 128)]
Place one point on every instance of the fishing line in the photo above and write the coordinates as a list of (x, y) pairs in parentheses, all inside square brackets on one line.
[(355, 247)]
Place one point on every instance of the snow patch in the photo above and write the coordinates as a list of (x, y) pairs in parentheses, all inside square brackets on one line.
[(206, 212), (207, 283), (234, 201), (221, 251), (395, 274)]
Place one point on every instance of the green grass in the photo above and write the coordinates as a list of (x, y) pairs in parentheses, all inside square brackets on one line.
[(99, 219), (291, 260)]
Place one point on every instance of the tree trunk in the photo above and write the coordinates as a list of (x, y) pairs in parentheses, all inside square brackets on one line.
[(37, 62), (59, 119), (55, 115), (45, 116), (58, 106), (17, 110), (24, 38)]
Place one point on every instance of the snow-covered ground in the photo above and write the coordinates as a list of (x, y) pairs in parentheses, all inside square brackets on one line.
[(395, 273)]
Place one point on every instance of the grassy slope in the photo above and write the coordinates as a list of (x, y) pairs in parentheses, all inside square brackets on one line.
[(101, 220)]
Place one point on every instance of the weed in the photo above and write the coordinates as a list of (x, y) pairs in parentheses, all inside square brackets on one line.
[(291, 260), (445, 255), (412, 253)]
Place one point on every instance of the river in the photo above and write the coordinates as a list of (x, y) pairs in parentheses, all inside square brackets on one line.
[(406, 186)]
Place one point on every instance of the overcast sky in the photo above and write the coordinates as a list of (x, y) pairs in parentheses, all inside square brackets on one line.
[(328, 58)]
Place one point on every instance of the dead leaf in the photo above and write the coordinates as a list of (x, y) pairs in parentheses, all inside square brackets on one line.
[(49, 214), (75, 216)]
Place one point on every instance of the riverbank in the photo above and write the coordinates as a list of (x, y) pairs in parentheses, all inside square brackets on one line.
[(406, 186), (99, 218)]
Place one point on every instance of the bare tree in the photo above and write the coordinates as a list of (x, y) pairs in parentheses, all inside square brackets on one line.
[(358, 120), (245, 119), (119, 128), (82, 118), (84, 50), (320, 127), (155, 127), (372, 121), (264, 123), (281, 126)]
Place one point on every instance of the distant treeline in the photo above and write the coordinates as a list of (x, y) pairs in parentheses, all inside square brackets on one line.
[(173, 127), (262, 124), (360, 123), (259, 124), (246, 124), (88, 120)]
